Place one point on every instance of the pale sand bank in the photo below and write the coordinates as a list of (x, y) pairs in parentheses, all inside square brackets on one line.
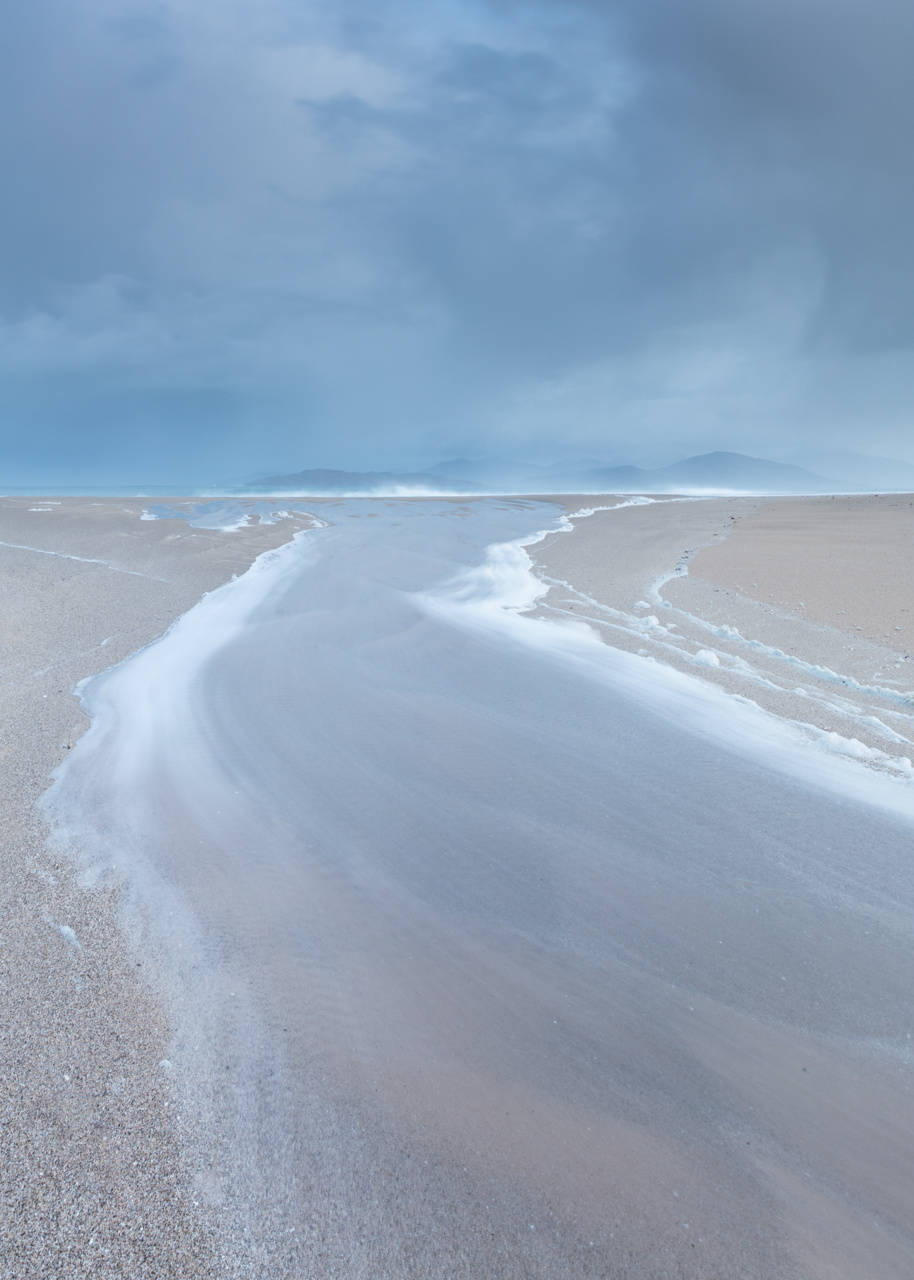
[(91, 1179), (804, 605), (846, 562)]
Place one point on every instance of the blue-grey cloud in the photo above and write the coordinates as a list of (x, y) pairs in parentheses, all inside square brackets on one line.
[(245, 237)]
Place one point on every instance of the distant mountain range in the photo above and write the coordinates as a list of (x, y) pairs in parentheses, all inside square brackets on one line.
[(714, 471)]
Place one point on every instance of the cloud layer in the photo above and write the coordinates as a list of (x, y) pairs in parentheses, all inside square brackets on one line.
[(252, 236)]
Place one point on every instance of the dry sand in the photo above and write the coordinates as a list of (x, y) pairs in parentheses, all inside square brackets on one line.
[(91, 1178), (804, 605), (845, 562)]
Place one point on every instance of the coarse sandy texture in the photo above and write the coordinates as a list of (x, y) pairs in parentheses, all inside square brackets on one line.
[(845, 562), (487, 964), (804, 605), (91, 1179), (494, 963)]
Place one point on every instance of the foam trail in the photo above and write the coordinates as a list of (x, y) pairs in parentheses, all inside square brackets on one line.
[(496, 596), (506, 575), (438, 891), (154, 683), (225, 515)]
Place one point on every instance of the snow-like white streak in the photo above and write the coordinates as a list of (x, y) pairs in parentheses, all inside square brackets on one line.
[(497, 597), (664, 639), (144, 698), (232, 526), (506, 574), (904, 697), (662, 632), (64, 555), (225, 516)]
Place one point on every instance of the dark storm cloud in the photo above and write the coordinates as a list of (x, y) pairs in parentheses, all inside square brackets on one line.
[(785, 119), (241, 237)]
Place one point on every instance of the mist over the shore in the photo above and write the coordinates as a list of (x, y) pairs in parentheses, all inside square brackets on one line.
[(254, 238)]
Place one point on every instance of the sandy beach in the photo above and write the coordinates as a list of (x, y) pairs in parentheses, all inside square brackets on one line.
[(91, 1177), (806, 606), (456, 780), (431, 942)]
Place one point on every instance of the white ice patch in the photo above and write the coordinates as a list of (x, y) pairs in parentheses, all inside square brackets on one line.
[(706, 658)]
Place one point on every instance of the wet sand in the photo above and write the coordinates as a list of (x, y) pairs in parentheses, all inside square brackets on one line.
[(473, 957), (91, 1175), (493, 964), (804, 605)]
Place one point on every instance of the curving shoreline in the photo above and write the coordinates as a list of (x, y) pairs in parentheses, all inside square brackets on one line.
[(759, 597), (92, 1179), (473, 849)]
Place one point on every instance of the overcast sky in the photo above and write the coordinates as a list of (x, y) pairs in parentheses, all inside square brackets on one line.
[(255, 235)]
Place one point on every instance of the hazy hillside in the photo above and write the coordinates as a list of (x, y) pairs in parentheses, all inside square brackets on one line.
[(706, 471), (737, 471)]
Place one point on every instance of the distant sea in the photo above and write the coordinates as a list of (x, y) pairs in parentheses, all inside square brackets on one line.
[(107, 490)]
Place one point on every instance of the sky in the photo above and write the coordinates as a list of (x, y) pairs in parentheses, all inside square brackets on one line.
[(248, 236)]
